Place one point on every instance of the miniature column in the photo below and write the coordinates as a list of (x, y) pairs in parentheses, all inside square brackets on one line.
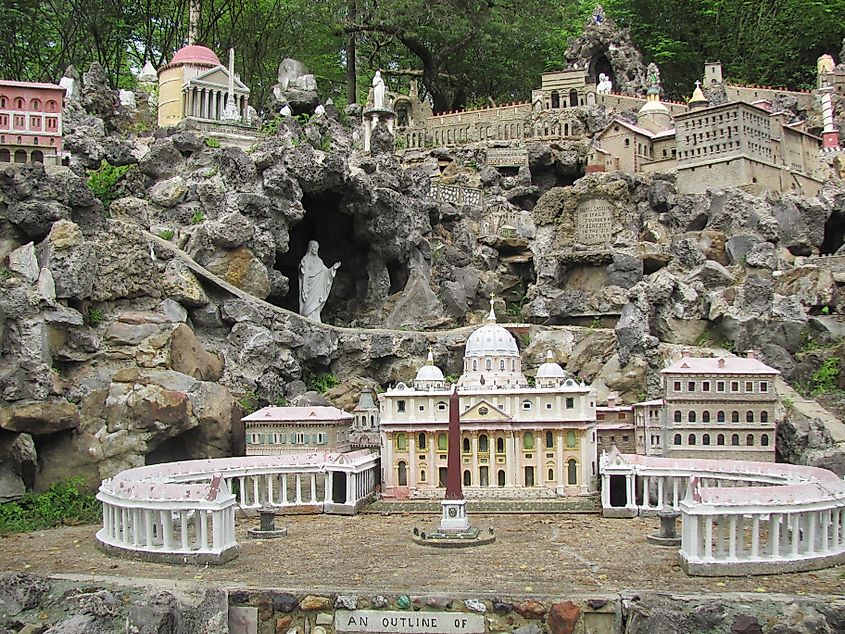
[(269, 478), (412, 461), (646, 502), (313, 488), (661, 498), (774, 535), (284, 489), (298, 484), (327, 487)]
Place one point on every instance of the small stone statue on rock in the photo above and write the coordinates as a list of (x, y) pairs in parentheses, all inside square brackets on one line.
[(315, 282)]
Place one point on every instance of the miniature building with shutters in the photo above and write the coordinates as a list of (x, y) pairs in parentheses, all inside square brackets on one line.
[(277, 430)]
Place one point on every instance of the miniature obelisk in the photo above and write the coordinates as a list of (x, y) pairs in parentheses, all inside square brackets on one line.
[(454, 518)]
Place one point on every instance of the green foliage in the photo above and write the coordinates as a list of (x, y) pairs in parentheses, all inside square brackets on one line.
[(248, 402), (515, 309), (95, 317), (321, 383), (63, 503), (303, 118), (788, 403), (596, 323), (197, 218), (271, 128), (525, 339), (102, 181), (451, 378), (166, 234), (826, 378), (212, 142), (531, 381), (825, 310), (280, 401), (400, 143), (326, 142), (5, 273)]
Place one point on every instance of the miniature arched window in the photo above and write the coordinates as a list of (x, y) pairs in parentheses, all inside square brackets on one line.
[(467, 478), (573, 98), (705, 416), (691, 417), (500, 478), (466, 445), (422, 475), (35, 104), (402, 441), (526, 404), (421, 441), (550, 440), (5, 156), (488, 364), (749, 440), (720, 417), (555, 99), (475, 365), (691, 439), (705, 439), (565, 129), (441, 406), (678, 416), (442, 442), (749, 416), (19, 103), (403, 474), (734, 417), (4, 102), (764, 440), (551, 474), (720, 439), (513, 366), (570, 438), (20, 155), (677, 439), (571, 471), (764, 416), (500, 445), (483, 443), (52, 106), (735, 440), (528, 440), (627, 142)]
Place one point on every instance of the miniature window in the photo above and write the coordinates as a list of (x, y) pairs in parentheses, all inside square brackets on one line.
[(705, 416), (720, 439), (678, 416), (691, 439), (764, 416), (749, 440), (483, 411), (735, 440), (528, 440), (400, 406), (529, 476), (52, 106), (625, 438), (421, 441), (466, 445), (720, 386), (4, 120), (526, 404), (677, 439), (35, 104), (749, 416), (613, 439), (705, 386), (483, 443), (488, 364), (749, 386), (402, 441), (467, 478), (764, 386), (734, 386), (764, 440), (441, 406), (422, 475), (502, 364), (570, 438), (19, 103), (4, 102), (403, 474), (691, 417), (691, 386), (550, 440), (677, 386), (705, 439), (422, 408), (734, 417), (19, 121), (548, 405), (720, 417), (571, 471), (500, 445), (570, 402), (442, 442), (627, 142), (551, 474), (475, 365)]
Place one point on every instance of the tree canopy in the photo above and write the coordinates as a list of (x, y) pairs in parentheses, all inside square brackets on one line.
[(464, 52)]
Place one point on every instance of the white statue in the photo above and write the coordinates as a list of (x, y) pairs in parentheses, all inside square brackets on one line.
[(286, 111), (605, 86), (378, 91), (127, 98), (315, 282)]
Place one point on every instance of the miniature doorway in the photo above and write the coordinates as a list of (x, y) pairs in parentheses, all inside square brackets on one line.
[(338, 487), (618, 491), (441, 477)]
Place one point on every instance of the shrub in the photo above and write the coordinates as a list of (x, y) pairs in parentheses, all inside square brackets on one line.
[(95, 317), (212, 142), (64, 503), (322, 382), (102, 182), (249, 402), (197, 217), (825, 379), (326, 143), (166, 234)]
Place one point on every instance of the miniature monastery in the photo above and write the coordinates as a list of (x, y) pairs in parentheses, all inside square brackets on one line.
[(31, 122), (277, 430), (517, 441)]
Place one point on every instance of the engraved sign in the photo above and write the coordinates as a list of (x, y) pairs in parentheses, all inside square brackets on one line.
[(594, 222), (381, 622)]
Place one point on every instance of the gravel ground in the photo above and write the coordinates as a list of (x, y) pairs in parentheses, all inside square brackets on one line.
[(533, 555)]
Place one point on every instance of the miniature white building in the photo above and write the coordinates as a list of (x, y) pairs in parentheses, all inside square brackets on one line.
[(516, 440), (366, 419)]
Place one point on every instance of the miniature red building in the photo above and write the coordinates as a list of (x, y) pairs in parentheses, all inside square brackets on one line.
[(30, 122)]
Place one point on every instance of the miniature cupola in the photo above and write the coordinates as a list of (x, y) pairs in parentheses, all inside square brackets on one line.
[(654, 116), (429, 377), (698, 100), (491, 358), (366, 415), (550, 374)]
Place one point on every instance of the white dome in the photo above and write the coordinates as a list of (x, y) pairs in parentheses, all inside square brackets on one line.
[(653, 107), (491, 340), (550, 369), (429, 373)]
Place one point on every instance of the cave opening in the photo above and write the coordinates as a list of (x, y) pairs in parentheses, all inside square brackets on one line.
[(600, 64), (834, 233), (334, 231), (399, 273), (171, 450)]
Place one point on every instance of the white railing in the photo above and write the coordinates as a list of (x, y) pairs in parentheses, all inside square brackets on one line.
[(738, 517), (185, 511)]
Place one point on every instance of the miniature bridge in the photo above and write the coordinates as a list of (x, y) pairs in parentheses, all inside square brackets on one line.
[(738, 517)]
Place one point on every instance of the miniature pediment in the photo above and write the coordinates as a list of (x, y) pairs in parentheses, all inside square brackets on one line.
[(218, 76), (484, 410)]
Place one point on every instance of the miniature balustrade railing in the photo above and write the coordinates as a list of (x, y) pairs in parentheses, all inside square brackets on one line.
[(185, 511), (738, 517)]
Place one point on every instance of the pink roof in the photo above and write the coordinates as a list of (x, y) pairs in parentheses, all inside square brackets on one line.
[(654, 403), (195, 54), (297, 414), (29, 84), (720, 365)]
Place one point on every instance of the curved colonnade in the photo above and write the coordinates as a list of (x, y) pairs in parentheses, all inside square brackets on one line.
[(185, 511), (738, 517)]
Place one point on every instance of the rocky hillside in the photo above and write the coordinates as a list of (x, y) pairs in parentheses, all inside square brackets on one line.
[(147, 300)]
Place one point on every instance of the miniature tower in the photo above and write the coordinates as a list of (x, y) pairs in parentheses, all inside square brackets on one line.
[(230, 114), (654, 116), (698, 100), (830, 135), (454, 518)]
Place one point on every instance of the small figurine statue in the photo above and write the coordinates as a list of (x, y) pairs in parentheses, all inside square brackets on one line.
[(605, 86), (653, 76), (598, 14), (315, 282), (378, 91)]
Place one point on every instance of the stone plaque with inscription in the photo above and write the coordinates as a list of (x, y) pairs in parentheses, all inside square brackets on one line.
[(378, 621), (594, 222)]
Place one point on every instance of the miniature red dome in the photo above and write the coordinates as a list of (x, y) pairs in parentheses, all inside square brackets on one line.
[(195, 54)]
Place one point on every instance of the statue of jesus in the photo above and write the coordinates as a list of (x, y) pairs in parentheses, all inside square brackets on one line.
[(315, 282)]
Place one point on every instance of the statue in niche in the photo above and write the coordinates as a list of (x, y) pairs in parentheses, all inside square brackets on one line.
[(605, 85), (315, 282), (378, 91)]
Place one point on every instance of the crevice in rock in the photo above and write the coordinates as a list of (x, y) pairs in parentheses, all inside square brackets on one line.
[(834, 233)]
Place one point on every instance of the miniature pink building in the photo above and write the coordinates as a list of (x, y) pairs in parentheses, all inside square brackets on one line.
[(30, 122)]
